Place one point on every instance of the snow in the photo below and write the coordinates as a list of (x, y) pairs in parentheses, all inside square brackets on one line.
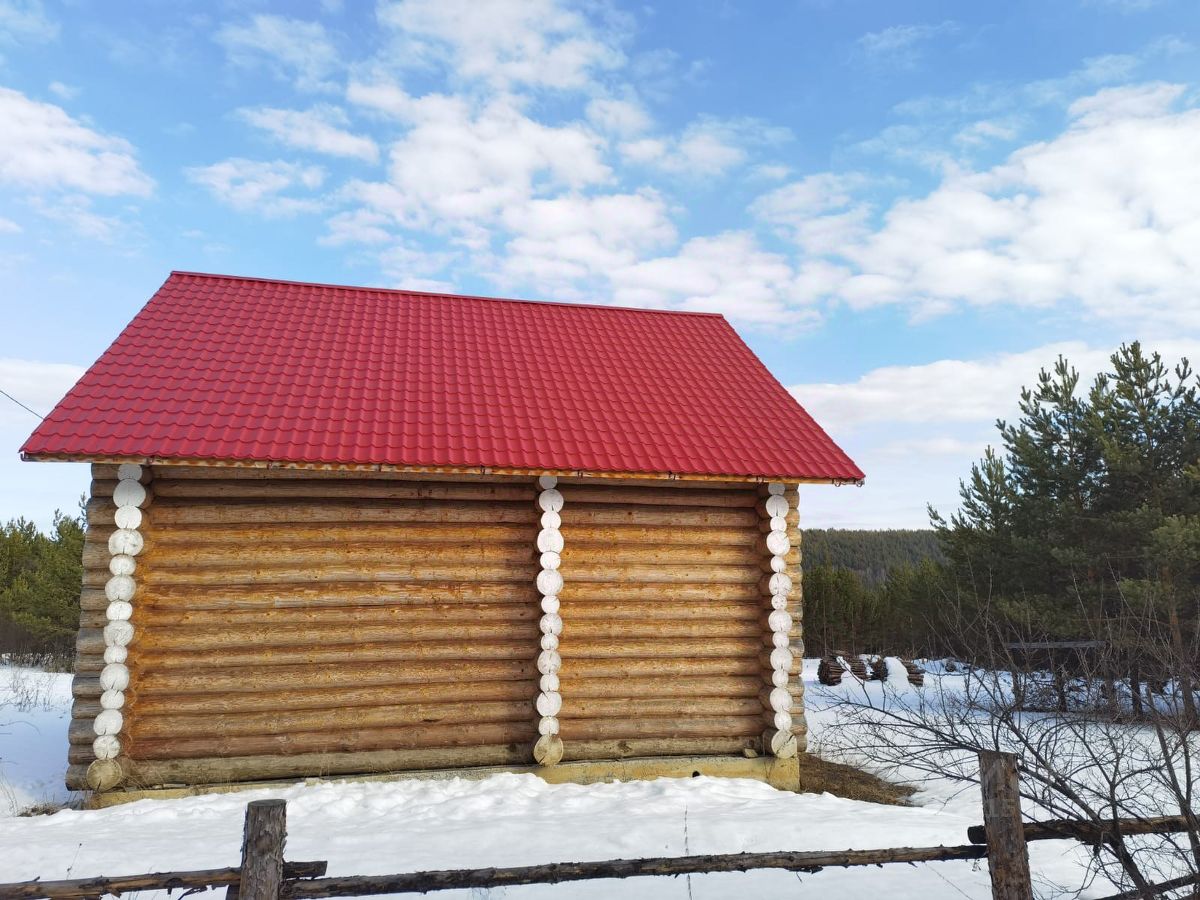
[(35, 710), (410, 825)]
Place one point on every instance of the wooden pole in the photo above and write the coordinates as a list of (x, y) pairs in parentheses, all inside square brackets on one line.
[(553, 873), (1007, 854), (84, 888), (262, 852)]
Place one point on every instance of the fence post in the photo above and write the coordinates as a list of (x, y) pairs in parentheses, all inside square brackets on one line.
[(1008, 855), (262, 851)]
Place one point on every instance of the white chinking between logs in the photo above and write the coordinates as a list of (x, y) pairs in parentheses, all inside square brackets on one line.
[(129, 496), (548, 750), (779, 739)]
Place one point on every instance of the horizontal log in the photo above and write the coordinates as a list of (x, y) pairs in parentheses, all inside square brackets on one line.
[(626, 573), (80, 733), (227, 770), (110, 471), (659, 610), (90, 641), (132, 884), (76, 778), (660, 666), (339, 533), (792, 861), (657, 496), (1090, 832), (257, 677), (85, 686), (343, 741), (665, 727), (285, 573), (150, 704), (577, 708), (153, 698), (241, 655), (359, 593), (449, 532), (408, 615), (217, 638), (419, 716), (574, 648), (650, 747), (574, 687), (331, 594), (255, 555), (151, 612), (334, 489), (579, 514), (693, 555), (188, 512), (88, 664), (666, 592)]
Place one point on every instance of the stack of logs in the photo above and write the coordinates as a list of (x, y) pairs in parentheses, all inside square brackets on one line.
[(831, 669)]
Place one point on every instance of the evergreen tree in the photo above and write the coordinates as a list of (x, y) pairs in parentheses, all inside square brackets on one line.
[(1095, 495)]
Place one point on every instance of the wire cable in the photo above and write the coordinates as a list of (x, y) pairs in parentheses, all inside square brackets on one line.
[(20, 404)]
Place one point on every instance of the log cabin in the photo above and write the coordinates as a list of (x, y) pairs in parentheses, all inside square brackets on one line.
[(340, 531)]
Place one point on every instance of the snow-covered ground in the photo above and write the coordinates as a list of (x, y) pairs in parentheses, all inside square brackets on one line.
[(376, 828), (35, 710)]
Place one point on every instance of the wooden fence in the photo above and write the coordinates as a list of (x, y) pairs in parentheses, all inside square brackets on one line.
[(264, 875)]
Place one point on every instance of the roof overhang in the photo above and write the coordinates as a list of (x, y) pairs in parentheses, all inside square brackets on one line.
[(474, 471)]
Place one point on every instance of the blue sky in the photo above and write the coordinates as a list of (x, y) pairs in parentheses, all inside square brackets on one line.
[(906, 208)]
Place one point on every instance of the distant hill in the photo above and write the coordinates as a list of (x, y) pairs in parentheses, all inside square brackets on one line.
[(869, 554)]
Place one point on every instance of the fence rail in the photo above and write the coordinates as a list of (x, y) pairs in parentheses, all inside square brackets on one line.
[(264, 875)]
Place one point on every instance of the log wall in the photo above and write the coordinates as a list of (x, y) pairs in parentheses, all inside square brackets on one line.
[(327, 615), (664, 620), (301, 623)]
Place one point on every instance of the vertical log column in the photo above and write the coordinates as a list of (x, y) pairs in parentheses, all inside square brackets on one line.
[(796, 687), (549, 747), (130, 496), (778, 739)]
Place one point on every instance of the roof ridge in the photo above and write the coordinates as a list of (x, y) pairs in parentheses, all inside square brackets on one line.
[(444, 295)]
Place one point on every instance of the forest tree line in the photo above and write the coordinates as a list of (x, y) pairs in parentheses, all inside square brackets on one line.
[(41, 573)]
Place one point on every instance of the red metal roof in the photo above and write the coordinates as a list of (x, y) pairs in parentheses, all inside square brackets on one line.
[(243, 369)]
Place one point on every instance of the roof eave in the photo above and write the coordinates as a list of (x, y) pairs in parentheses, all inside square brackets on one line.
[(440, 470)]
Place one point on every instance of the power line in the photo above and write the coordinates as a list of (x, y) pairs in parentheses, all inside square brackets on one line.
[(20, 404)]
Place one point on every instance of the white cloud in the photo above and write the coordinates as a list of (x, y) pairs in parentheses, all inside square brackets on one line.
[(357, 226), (8, 226), (622, 117), (63, 91), (728, 273), (292, 49), (253, 186), (915, 430), (819, 212), (459, 167), (25, 20), (316, 129), (901, 45), (569, 239), (76, 211), (42, 147), (506, 43), (1106, 215), (705, 148)]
